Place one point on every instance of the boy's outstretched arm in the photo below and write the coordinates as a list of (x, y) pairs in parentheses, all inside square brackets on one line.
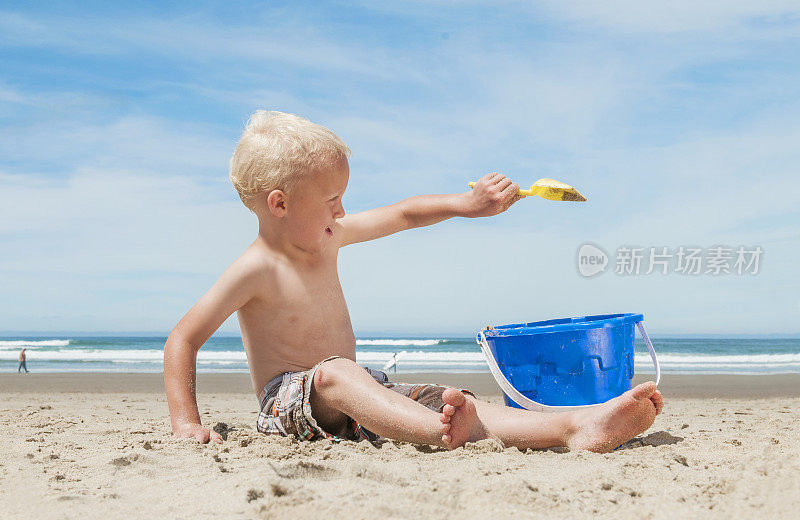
[(492, 194), (229, 293)]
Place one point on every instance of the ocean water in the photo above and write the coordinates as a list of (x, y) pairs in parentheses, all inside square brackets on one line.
[(226, 354)]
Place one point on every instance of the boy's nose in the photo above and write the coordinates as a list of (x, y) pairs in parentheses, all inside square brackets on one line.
[(339, 211)]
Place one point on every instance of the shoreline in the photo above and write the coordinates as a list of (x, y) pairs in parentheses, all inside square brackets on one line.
[(672, 386)]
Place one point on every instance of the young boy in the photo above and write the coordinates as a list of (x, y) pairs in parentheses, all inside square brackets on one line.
[(296, 329)]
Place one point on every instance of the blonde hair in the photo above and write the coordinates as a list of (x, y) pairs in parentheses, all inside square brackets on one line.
[(276, 150)]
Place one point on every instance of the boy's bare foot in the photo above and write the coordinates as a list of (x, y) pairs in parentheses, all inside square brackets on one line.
[(605, 427), (460, 422)]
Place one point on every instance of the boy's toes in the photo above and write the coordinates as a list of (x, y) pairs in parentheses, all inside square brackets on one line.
[(644, 390), (453, 397), (658, 401), (464, 425), (447, 413)]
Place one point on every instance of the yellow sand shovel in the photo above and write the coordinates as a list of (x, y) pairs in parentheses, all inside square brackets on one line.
[(550, 189)]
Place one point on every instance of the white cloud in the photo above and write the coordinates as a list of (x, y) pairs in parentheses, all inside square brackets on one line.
[(101, 222), (69, 131), (726, 18), (113, 250), (288, 42)]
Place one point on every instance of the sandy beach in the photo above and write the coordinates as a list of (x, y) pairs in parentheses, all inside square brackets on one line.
[(99, 446)]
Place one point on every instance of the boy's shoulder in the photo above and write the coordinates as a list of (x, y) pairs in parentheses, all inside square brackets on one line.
[(256, 259), (256, 264)]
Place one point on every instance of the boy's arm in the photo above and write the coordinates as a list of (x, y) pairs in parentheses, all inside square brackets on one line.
[(228, 294), (492, 194)]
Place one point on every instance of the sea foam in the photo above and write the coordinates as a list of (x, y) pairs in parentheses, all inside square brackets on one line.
[(14, 344)]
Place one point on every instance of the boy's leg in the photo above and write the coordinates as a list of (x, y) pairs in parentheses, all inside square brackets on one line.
[(342, 389), (601, 428)]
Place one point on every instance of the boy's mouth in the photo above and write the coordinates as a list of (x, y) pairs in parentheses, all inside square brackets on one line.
[(329, 231)]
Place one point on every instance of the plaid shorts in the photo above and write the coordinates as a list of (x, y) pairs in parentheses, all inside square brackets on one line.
[(286, 405)]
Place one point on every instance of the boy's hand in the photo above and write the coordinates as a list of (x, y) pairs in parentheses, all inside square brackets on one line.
[(492, 194), (199, 432)]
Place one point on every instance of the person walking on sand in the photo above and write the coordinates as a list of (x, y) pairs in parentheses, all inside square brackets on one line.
[(22, 359)]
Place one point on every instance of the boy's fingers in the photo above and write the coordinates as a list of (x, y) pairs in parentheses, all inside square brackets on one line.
[(498, 178), (489, 176), (504, 183), (511, 190), (511, 195)]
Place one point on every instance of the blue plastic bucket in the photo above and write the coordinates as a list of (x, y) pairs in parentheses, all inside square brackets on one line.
[(564, 363)]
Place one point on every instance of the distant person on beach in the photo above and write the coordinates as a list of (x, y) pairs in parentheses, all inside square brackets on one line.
[(296, 329), (22, 358)]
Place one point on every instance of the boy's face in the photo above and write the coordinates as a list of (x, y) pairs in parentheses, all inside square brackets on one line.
[(315, 205)]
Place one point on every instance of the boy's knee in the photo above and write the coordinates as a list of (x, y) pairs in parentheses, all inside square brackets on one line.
[(332, 373)]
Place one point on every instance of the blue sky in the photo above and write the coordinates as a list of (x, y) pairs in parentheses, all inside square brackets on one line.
[(678, 120)]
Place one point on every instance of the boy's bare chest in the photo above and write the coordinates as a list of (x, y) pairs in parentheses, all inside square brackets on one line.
[(304, 306), (299, 319), (312, 299)]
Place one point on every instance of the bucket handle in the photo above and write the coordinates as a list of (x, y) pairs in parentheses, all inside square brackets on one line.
[(516, 396), (649, 344)]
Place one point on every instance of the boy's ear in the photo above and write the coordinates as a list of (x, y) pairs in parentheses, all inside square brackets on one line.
[(276, 202)]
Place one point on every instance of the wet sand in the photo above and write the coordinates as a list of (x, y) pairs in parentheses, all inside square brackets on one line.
[(701, 386)]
